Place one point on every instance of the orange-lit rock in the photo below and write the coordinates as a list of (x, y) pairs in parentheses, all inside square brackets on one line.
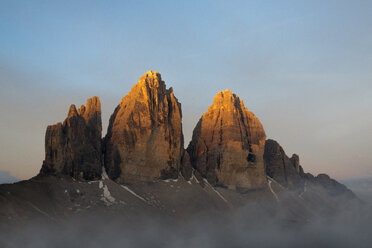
[(228, 144), (144, 140), (74, 147)]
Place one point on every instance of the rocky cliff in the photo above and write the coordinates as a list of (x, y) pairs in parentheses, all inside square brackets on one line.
[(281, 168), (228, 144), (74, 146), (144, 143), (144, 139), (289, 173)]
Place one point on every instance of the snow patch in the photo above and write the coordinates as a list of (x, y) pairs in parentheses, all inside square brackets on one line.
[(107, 198), (193, 177), (104, 174), (100, 185), (168, 180), (39, 210), (272, 191), (218, 193), (272, 179), (78, 191), (133, 193)]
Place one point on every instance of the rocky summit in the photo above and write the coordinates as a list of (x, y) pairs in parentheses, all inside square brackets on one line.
[(228, 144), (74, 146), (144, 139)]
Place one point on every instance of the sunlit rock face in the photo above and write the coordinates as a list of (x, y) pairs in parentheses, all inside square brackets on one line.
[(74, 146), (282, 169), (144, 140), (228, 144)]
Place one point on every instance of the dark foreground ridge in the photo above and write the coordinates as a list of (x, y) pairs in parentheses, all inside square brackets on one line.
[(141, 173)]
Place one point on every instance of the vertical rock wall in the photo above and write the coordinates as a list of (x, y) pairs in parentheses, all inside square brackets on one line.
[(74, 146), (228, 144), (144, 140)]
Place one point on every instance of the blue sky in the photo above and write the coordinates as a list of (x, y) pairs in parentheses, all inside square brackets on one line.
[(303, 67)]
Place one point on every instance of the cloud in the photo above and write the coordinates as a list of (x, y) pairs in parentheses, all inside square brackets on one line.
[(5, 177)]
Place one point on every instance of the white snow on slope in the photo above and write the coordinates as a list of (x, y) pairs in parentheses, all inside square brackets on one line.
[(106, 197), (104, 174), (39, 210), (272, 191), (133, 193), (193, 177), (168, 180), (272, 179), (218, 193)]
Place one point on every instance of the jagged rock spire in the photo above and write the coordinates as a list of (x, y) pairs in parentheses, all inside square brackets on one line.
[(74, 147), (144, 139), (278, 166), (228, 144)]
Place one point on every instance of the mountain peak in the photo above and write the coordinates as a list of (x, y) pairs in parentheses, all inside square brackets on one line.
[(228, 144), (224, 94), (151, 79), (151, 73), (227, 100), (74, 147), (144, 140), (92, 110), (72, 111), (93, 104)]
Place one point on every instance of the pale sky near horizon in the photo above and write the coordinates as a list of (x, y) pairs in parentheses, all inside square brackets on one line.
[(303, 67)]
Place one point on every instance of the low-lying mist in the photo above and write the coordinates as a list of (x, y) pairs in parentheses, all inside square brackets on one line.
[(249, 226)]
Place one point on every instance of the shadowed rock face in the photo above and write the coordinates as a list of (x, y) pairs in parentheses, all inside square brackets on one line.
[(74, 146), (186, 167), (144, 139), (331, 186), (278, 166), (228, 144)]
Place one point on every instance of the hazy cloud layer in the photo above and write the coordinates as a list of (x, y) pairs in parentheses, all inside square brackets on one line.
[(247, 227)]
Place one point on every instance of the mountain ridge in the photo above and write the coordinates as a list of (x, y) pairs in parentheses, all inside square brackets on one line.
[(141, 169), (228, 147)]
